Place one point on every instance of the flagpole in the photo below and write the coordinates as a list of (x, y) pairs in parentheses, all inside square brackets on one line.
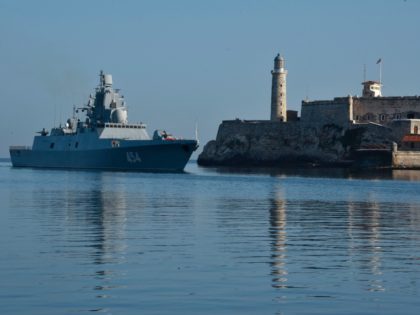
[(364, 72), (380, 72)]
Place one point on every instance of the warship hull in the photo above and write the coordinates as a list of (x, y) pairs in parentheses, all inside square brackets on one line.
[(104, 140), (147, 155)]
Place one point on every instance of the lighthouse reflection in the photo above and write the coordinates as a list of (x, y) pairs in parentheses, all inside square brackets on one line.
[(345, 236), (278, 220)]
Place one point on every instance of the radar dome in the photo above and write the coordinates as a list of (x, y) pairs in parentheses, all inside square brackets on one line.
[(119, 116), (108, 79)]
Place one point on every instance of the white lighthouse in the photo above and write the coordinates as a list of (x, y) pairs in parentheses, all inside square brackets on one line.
[(278, 90)]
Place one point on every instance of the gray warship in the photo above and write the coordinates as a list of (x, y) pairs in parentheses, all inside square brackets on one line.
[(104, 140)]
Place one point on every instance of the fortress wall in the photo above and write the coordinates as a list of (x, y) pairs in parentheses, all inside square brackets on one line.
[(383, 110), (406, 159), (337, 111), (273, 143), (373, 136), (253, 127), (260, 137)]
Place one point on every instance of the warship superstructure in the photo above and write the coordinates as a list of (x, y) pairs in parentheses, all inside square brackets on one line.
[(104, 140)]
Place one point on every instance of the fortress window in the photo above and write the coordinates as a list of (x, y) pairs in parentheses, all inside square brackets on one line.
[(382, 117), (52, 145), (398, 116), (410, 116)]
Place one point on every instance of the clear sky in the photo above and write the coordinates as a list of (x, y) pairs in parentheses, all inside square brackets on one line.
[(179, 63)]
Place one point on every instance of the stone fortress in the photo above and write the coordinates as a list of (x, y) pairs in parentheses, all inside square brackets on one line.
[(367, 131)]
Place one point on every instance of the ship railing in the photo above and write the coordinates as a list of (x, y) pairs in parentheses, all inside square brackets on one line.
[(119, 125), (20, 147)]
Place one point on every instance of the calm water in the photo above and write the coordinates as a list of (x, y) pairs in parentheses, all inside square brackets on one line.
[(209, 242)]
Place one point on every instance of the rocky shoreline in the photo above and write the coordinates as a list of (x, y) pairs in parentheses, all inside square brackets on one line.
[(276, 144)]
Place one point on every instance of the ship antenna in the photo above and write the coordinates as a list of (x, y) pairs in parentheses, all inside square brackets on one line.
[(59, 110), (101, 78), (55, 112), (196, 133)]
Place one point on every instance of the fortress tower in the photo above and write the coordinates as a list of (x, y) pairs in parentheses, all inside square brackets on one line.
[(372, 89), (278, 90)]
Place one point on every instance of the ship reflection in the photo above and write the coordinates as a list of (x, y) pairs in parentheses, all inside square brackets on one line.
[(95, 223), (107, 218), (278, 243), (108, 222)]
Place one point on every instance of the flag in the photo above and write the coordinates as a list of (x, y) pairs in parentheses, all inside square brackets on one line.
[(379, 61)]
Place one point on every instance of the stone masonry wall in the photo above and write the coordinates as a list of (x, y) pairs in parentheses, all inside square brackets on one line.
[(406, 159), (337, 111), (383, 110)]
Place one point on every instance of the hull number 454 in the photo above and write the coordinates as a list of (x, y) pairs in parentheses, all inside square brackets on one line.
[(133, 157)]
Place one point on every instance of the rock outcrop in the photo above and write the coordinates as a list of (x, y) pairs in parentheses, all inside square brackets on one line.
[(267, 143)]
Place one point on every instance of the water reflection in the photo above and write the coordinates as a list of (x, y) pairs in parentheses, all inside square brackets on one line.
[(194, 243), (338, 242), (318, 172), (278, 234), (374, 246), (364, 230), (92, 225)]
